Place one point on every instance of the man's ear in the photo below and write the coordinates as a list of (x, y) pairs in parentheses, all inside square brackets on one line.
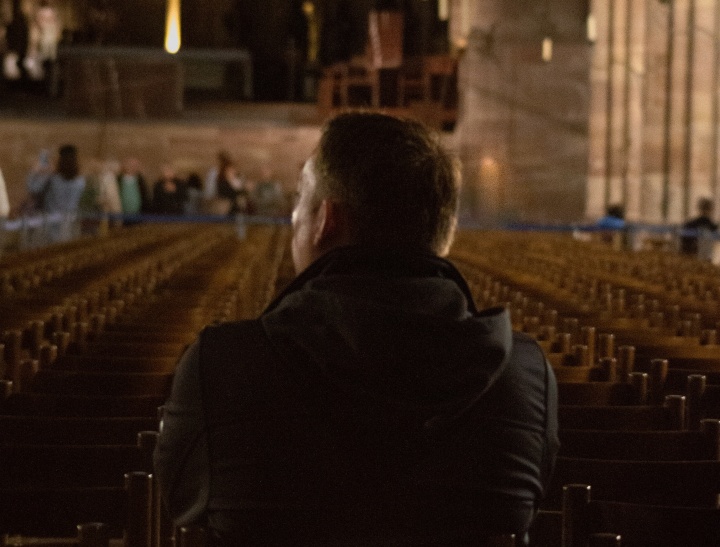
[(330, 225)]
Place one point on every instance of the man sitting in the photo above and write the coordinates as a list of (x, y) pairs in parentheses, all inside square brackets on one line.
[(371, 403)]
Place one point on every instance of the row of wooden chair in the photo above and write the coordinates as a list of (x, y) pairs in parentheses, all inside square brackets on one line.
[(66, 420), (632, 339), (620, 376)]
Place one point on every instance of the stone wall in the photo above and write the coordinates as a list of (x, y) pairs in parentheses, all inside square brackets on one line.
[(654, 115), (522, 123)]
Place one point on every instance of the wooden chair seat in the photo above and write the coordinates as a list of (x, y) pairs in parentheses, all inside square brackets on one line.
[(37, 404), (639, 525), (55, 512), (682, 351), (118, 364), (546, 529), (637, 445), (597, 393), (702, 364), (653, 337), (155, 323), (618, 418), (65, 466), (138, 336), (709, 404), (124, 327), (681, 483), (676, 378), (132, 349), (51, 430), (90, 384), (566, 374)]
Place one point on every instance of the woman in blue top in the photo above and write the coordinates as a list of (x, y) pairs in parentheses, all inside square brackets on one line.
[(58, 191)]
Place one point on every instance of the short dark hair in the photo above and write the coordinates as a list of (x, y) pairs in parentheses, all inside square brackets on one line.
[(616, 210), (705, 206), (67, 165), (399, 184)]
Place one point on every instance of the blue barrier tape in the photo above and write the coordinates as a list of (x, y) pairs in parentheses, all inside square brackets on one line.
[(11, 225)]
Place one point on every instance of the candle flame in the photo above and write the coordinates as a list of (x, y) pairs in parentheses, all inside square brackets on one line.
[(172, 27)]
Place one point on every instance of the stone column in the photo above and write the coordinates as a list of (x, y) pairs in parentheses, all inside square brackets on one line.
[(522, 124), (704, 88), (654, 107), (680, 108), (634, 93), (598, 190), (616, 113), (482, 116)]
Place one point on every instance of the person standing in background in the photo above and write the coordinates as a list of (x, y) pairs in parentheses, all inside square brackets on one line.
[(133, 192), (210, 191), (108, 195), (703, 223), (193, 203), (233, 190), (58, 190), (169, 193)]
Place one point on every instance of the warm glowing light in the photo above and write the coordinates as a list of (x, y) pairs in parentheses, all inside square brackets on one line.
[(4, 201), (172, 27), (547, 49), (443, 10), (591, 28), (488, 162), (313, 32)]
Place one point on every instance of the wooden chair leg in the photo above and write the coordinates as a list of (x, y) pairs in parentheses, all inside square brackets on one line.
[(93, 534), (605, 540), (658, 375), (575, 501), (138, 531), (626, 362), (710, 429), (639, 382), (694, 391), (191, 536), (675, 404)]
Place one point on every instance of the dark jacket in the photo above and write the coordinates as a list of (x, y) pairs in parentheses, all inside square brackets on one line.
[(371, 404), (169, 203), (689, 243)]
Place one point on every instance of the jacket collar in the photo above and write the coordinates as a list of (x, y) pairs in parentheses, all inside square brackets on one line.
[(391, 263)]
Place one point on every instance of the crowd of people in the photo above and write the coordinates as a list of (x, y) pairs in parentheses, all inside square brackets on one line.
[(121, 188)]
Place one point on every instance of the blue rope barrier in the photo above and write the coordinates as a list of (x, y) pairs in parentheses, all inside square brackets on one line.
[(36, 221)]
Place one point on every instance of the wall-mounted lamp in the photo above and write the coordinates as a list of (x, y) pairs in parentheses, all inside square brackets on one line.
[(443, 10), (591, 28), (547, 49)]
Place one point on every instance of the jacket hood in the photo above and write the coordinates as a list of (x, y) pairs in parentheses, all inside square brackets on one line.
[(395, 326)]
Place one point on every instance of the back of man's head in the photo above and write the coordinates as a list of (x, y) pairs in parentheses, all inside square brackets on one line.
[(705, 206), (399, 185)]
